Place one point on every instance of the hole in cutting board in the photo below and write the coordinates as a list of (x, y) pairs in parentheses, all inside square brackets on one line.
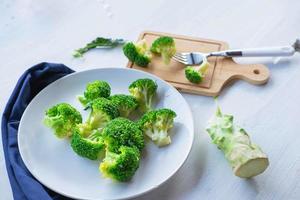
[(256, 71)]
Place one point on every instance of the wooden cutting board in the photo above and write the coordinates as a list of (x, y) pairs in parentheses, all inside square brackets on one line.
[(220, 72)]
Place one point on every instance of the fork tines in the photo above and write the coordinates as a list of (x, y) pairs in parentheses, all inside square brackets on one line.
[(179, 57)]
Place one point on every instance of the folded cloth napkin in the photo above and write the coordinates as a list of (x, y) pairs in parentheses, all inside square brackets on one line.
[(24, 185)]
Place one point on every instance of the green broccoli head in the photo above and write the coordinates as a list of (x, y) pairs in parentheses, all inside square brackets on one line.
[(137, 53), (122, 132), (125, 103), (143, 90), (103, 110), (95, 90), (196, 75), (121, 166), (89, 146), (156, 124), (164, 46), (193, 75), (62, 118)]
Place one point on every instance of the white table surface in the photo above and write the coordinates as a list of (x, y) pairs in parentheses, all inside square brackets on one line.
[(32, 31)]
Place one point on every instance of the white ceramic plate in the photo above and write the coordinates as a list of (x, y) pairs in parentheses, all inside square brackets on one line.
[(53, 163)]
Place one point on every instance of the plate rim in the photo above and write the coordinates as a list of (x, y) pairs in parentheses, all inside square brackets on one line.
[(96, 69)]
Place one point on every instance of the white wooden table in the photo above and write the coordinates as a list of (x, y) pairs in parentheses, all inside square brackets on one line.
[(33, 31)]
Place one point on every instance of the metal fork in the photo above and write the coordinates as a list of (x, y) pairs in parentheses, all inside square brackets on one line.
[(196, 58)]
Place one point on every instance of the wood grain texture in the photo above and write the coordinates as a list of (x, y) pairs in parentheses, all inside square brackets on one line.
[(220, 72)]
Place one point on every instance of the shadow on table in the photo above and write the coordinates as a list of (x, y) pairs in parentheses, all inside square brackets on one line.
[(186, 178)]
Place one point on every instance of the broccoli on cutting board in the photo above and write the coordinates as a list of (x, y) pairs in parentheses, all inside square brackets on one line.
[(196, 74), (164, 46), (137, 53), (246, 159)]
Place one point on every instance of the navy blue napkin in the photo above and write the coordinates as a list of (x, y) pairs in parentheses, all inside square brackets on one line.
[(24, 185)]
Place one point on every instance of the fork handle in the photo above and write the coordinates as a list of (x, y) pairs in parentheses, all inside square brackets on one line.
[(257, 52)]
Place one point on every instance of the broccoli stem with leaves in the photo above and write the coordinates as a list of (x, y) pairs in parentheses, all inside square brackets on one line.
[(246, 159), (99, 42)]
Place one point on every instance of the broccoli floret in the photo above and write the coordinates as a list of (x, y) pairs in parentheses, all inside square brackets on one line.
[(90, 145), (122, 132), (125, 103), (164, 46), (62, 118), (156, 124), (103, 110), (193, 75), (121, 166), (137, 53), (94, 90), (196, 75), (143, 90)]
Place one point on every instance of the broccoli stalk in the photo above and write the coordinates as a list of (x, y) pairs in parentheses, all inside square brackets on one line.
[(164, 46), (143, 90), (89, 146), (99, 42), (196, 75), (156, 124), (125, 103), (94, 90), (62, 118), (246, 159), (137, 53), (121, 166)]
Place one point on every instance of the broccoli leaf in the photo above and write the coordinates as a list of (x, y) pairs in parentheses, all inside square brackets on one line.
[(99, 42)]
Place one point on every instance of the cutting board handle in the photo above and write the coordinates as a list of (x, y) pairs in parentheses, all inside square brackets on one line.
[(254, 73)]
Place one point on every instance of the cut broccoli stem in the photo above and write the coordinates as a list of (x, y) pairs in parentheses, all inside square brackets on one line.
[(159, 137), (246, 159)]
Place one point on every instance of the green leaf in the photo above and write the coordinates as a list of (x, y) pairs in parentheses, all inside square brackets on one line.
[(99, 42)]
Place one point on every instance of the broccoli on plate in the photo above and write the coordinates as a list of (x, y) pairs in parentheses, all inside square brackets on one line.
[(121, 166), (143, 90), (94, 90), (137, 53), (156, 124), (89, 145), (125, 103), (103, 110), (122, 132), (164, 46), (62, 118)]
